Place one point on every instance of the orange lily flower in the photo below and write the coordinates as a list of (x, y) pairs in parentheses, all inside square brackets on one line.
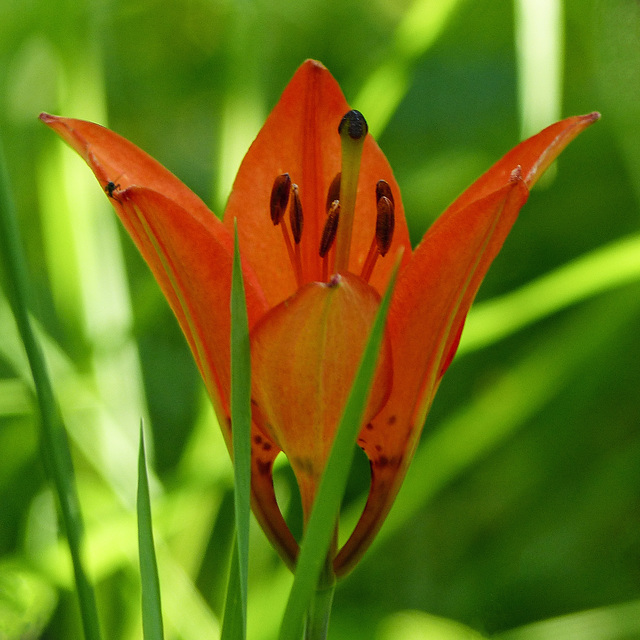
[(313, 292)]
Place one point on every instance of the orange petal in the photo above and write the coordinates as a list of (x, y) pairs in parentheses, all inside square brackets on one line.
[(192, 264), (300, 137), (430, 303), (263, 498), (533, 156), (190, 254), (112, 158), (187, 248), (426, 300), (304, 356)]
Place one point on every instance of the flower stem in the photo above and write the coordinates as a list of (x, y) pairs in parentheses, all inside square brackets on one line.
[(319, 613)]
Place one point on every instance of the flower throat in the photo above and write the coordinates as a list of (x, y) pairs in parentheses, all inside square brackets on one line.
[(335, 243)]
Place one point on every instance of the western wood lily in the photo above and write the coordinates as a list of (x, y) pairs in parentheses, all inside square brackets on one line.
[(321, 225)]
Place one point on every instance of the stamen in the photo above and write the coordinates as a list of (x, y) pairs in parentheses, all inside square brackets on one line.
[(385, 223), (280, 191), (328, 236), (334, 192), (296, 220), (295, 215), (280, 197), (353, 131), (383, 189)]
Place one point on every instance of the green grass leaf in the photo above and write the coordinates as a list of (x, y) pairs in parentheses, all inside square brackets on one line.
[(54, 444), (151, 607), (324, 515), (235, 620)]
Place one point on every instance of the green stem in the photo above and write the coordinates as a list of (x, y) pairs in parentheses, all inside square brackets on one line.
[(55, 447), (319, 613)]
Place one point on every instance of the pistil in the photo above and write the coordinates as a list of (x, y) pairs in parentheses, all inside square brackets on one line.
[(353, 131)]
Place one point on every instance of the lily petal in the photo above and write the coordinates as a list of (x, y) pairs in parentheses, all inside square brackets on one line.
[(192, 264), (432, 298), (533, 156), (300, 137), (113, 158), (188, 249), (448, 259), (304, 356)]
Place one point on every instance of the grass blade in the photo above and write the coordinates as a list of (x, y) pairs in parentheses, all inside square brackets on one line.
[(325, 511), (151, 607), (236, 607), (55, 448), (234, 620)]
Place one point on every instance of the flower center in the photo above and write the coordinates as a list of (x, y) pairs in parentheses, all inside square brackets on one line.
[(335, 243)]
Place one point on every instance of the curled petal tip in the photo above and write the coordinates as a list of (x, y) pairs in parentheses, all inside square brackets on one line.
[(313, 63)]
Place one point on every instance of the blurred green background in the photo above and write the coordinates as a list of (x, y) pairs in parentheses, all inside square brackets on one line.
[(520, 516)]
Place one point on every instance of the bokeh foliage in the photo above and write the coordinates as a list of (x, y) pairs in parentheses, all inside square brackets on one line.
[(523, 503)]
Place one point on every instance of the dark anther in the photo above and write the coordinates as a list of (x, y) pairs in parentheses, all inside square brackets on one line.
[(330, 228), (280, 197), (383, 189), (385, 222), (334, 192), (356, 125), (295, 215)]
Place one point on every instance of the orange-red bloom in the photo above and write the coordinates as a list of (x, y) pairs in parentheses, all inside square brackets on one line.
[(308, 327)]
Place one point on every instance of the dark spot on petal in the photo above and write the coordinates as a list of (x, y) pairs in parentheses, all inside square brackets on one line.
[(369, 426), (303, 464), (378, 448), (264, 468), (266, 446), (383, 462), (257, 439)]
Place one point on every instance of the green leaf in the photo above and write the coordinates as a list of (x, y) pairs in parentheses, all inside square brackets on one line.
[(27, 602), (321, 526), (151, 607), (235, 620), (55, 447), (418, 625), (615, 622)]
